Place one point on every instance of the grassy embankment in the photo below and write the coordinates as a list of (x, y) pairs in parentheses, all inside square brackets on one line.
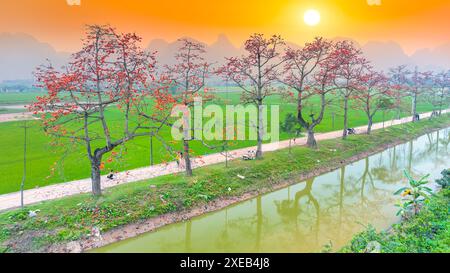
[(427, 232), (73, 217), (49, 164)]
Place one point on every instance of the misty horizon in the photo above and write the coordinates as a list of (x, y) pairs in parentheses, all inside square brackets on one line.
[(21, 53)]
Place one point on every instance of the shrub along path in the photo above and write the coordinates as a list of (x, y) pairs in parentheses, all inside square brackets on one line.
[(12, 200)]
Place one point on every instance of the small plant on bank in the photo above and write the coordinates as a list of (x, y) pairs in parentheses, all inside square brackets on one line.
[(413, 196), (291, 126), (444, 182)]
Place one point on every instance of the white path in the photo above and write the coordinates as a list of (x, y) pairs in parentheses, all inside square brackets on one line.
[(12, 200), (16, 116)]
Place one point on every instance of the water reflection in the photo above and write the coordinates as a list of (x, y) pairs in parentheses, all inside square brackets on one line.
[(306, 216)]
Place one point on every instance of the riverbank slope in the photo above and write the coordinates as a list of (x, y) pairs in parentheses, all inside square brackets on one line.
[(128, 210), (426, 232)]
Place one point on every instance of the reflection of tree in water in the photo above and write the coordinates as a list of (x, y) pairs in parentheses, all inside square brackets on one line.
[(371, 197), (336, 217), (183, 244), (392, 173), (251, 226), (356, 200), (287, 210), (224, 242), (431, 143), (259, 222), (445, 141), (441, 147), (188, 235), (307, 222), (436, 145), (292, 213)]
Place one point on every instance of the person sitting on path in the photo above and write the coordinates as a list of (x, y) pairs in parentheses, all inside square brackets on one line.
[(111, 175)]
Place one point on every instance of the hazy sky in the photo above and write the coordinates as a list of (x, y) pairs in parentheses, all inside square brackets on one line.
[(414, 24)]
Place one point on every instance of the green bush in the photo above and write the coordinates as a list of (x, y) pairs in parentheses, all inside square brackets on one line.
[(444, 182)]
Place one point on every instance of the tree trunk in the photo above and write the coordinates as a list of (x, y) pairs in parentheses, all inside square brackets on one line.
[(187, 159), (344, 133), (441, 102), (96, 178), (311, 141), (414, 107), (151, 150), (226, 156), (369, 125), (22, 185), (290, 146), (260, 129), (332, 120)]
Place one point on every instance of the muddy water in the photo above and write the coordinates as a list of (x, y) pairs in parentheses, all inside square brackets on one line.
[(306, 216)]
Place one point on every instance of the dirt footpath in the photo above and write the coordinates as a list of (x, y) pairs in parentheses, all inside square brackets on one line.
[(15, 116)]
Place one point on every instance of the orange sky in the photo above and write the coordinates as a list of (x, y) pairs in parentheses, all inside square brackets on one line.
[(414, 24)]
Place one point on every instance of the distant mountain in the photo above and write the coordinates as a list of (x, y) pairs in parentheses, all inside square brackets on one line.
[(165, 51), (385, 55), (222, 48), (215, 53), (340, 39), (433, 59), (21, 53)]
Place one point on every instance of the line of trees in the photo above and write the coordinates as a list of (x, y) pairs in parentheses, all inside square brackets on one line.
[(113, 70)]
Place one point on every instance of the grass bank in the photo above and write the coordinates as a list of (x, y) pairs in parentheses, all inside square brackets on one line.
[(174, 197), (427, 232)]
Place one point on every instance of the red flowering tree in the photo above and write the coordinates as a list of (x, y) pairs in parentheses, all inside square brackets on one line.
[(419, 83), (440, 94), (301, 70), (182, 86), (397, 81), (348, 75), (371, 93), (110, 70), (413, 83), (255, 73)]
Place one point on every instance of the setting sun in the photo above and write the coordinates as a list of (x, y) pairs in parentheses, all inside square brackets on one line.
[(311, 17)]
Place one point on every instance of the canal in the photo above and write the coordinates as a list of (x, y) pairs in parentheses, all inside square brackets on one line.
[(328, 209)]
